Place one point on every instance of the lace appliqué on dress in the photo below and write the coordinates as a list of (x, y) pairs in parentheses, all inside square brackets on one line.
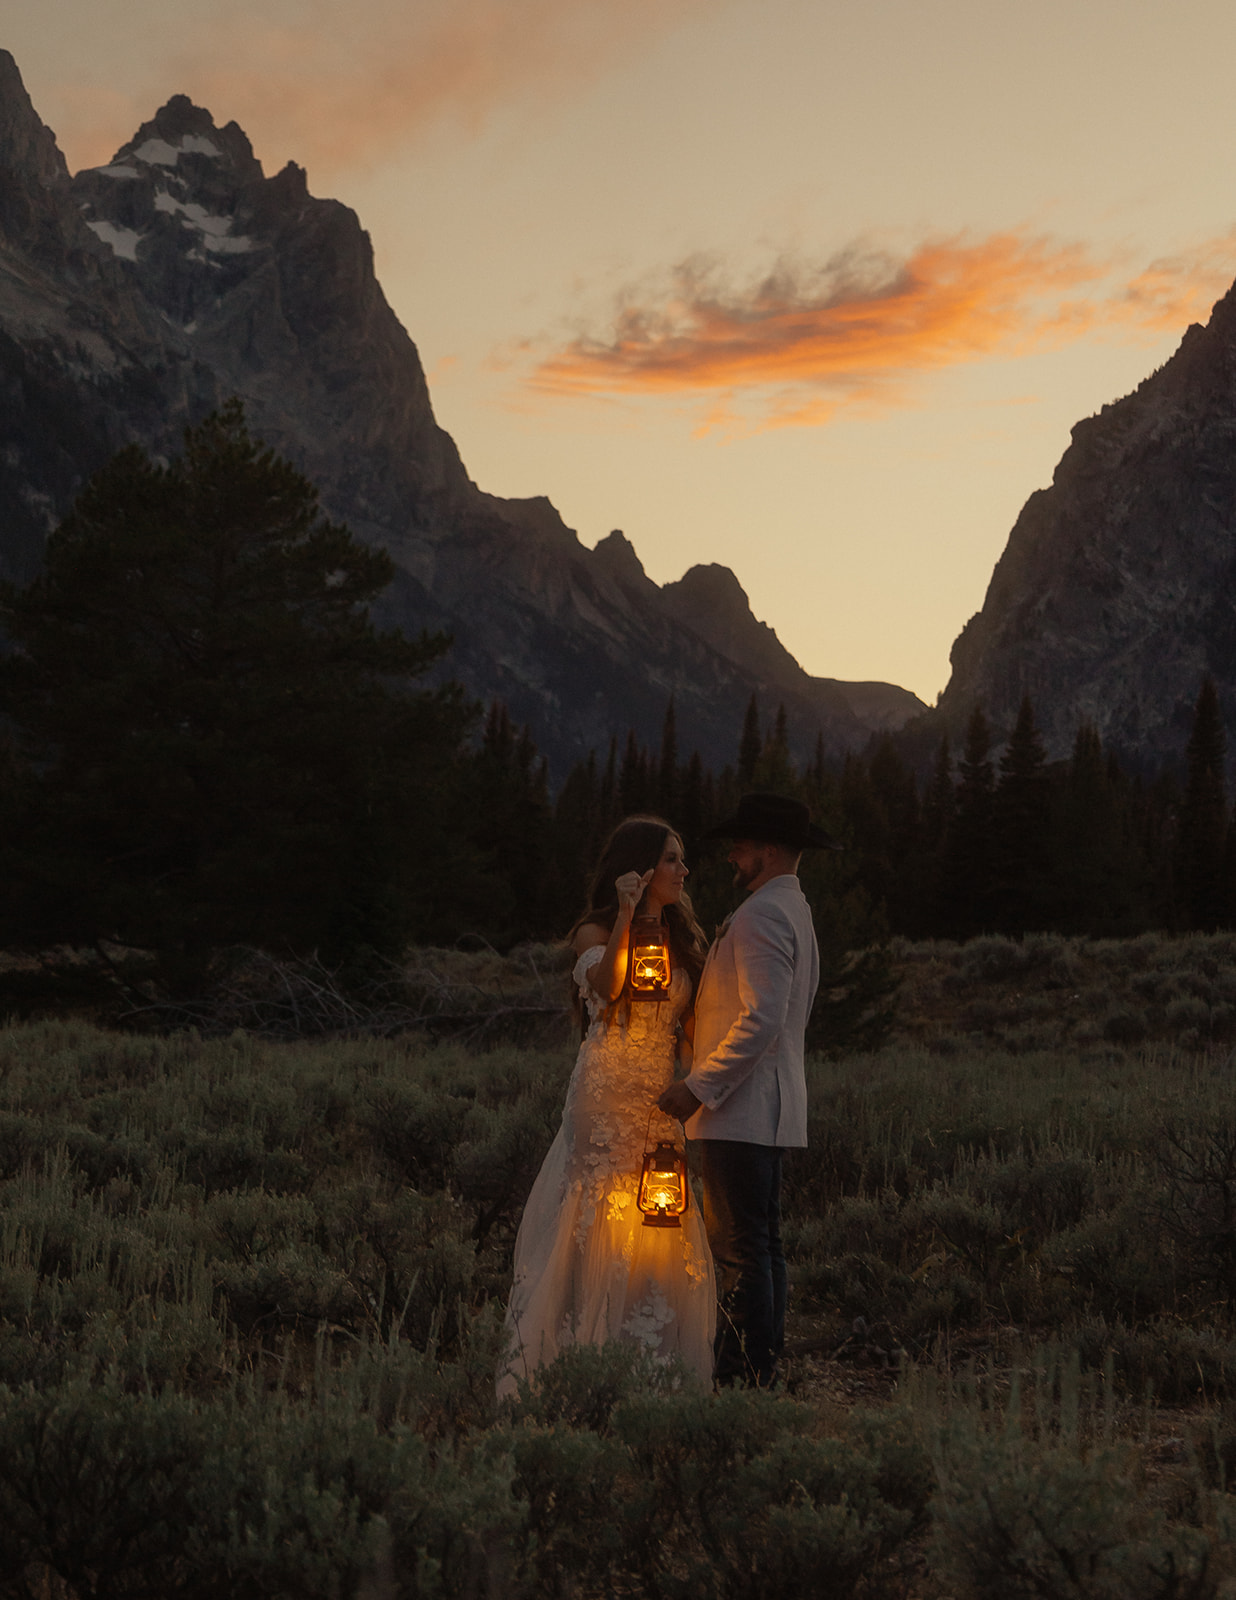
[(624, 1064), (647, 1322), (586, 1269)]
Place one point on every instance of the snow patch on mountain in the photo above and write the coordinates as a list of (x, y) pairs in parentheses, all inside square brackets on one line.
[(123, 241), (216, 231), (159, 153)]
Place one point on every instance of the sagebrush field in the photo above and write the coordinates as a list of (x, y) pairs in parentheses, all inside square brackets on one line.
[(251, 1296)]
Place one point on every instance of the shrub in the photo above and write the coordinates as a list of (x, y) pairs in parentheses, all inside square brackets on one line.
[(992, 957), (1125, 1025), (98, 1485), (1051, 1523), (733, 1497), (415, 1127), (1040, 1194), (1188, 1012), (1035, 1499), (1162, 1359), (1199, 1201), (1116, 1263), (638, 1483)]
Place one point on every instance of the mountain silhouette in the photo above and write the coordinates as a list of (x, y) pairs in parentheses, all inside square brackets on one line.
[(138, 296), (1116, 594)]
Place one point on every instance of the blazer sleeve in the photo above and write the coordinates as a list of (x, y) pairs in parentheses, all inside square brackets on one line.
[(764, 968)]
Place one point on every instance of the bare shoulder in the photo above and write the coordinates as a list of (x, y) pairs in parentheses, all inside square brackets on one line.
[(590, 934)]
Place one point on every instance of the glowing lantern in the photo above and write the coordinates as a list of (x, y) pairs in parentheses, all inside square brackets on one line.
[(663, 1190), (650, 959)]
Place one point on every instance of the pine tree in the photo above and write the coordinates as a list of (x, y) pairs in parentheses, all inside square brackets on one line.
[(816, 769), (667, 770), (879, 804), (1021, 819), (750, 745), (938, 803), (968, 887), (1099, 869), (775, 770), (508, 822), (924, 911), (691, 816), (577, 819), (227, 750), (633, 784), (822, 792), (895, 791), (610, 802), (1201, 846)]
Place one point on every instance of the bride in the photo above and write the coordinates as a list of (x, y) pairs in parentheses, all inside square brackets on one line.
[(586, 1269)]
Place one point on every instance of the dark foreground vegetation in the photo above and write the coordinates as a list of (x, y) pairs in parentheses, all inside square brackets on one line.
[(250, 1303)]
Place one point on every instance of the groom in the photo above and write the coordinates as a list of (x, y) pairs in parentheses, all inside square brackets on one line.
[(745, 1099)]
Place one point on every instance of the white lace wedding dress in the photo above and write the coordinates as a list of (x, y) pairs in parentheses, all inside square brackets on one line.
[(586, 1269)]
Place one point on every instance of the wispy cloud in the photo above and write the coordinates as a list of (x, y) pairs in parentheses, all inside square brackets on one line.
[(333, 86), (802, 342)]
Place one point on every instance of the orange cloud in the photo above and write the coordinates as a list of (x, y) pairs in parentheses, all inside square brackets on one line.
[(338, 86), (806, 341), (1177, 290)]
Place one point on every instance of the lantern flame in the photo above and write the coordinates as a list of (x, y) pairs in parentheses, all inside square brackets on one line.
[(650, 960), (663, 1191)]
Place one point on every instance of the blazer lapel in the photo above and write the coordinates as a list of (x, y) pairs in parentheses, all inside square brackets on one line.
[(716, 944)]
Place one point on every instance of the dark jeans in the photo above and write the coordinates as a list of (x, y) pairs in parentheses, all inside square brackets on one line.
[(742, 1213)]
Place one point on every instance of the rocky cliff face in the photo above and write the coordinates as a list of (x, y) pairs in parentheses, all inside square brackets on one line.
[(136, 297), (1116, 593)]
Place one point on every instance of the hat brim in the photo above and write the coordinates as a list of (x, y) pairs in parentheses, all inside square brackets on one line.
[(735, 827)]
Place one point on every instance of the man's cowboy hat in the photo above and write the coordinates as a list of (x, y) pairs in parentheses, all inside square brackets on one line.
[(774, 819)]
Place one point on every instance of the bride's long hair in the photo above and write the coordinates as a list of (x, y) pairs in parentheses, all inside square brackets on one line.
[(635, 845)]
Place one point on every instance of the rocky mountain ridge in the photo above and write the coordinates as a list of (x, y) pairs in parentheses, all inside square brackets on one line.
[(138, 296), (1116, 593)]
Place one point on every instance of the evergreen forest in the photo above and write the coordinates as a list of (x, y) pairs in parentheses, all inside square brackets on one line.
[(207, 743)]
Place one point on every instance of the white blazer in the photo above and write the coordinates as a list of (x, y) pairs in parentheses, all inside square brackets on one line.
[(755, 994)]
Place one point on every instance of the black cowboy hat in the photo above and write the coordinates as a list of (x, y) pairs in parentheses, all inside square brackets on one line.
[(774, 819)]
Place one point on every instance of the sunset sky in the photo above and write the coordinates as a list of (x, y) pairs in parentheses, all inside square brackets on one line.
[(812, 289)]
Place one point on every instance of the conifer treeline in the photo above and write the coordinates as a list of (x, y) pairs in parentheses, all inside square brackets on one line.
[(994, 839), (206, 741)]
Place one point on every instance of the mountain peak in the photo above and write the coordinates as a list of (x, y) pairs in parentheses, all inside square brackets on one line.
[(27, 146), (714, 587), (1112, 599), (181, 131), (617, 555), (710, 599)]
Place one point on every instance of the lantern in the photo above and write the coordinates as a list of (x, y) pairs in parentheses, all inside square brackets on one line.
[(649, 960), (663, 1190)]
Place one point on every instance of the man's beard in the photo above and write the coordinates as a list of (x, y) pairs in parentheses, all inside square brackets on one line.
[(745, 875)]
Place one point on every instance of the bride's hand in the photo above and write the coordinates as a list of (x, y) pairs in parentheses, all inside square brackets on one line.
[(631, 887)]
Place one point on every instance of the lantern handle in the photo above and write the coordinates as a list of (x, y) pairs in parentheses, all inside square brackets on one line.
[(648, 1128)]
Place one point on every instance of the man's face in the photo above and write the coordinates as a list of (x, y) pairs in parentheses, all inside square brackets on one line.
[(748, 857)]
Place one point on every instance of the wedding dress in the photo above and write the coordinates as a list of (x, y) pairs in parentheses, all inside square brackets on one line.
[(586, 1269)]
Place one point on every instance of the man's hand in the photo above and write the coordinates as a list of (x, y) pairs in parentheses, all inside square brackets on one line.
[(678, 1101)]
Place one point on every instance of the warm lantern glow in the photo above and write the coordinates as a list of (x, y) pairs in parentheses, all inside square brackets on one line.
[(650, 960), (663, 1190)]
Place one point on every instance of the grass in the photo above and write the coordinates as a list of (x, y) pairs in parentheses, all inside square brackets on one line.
[(250, 1302), (1050, 992)]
